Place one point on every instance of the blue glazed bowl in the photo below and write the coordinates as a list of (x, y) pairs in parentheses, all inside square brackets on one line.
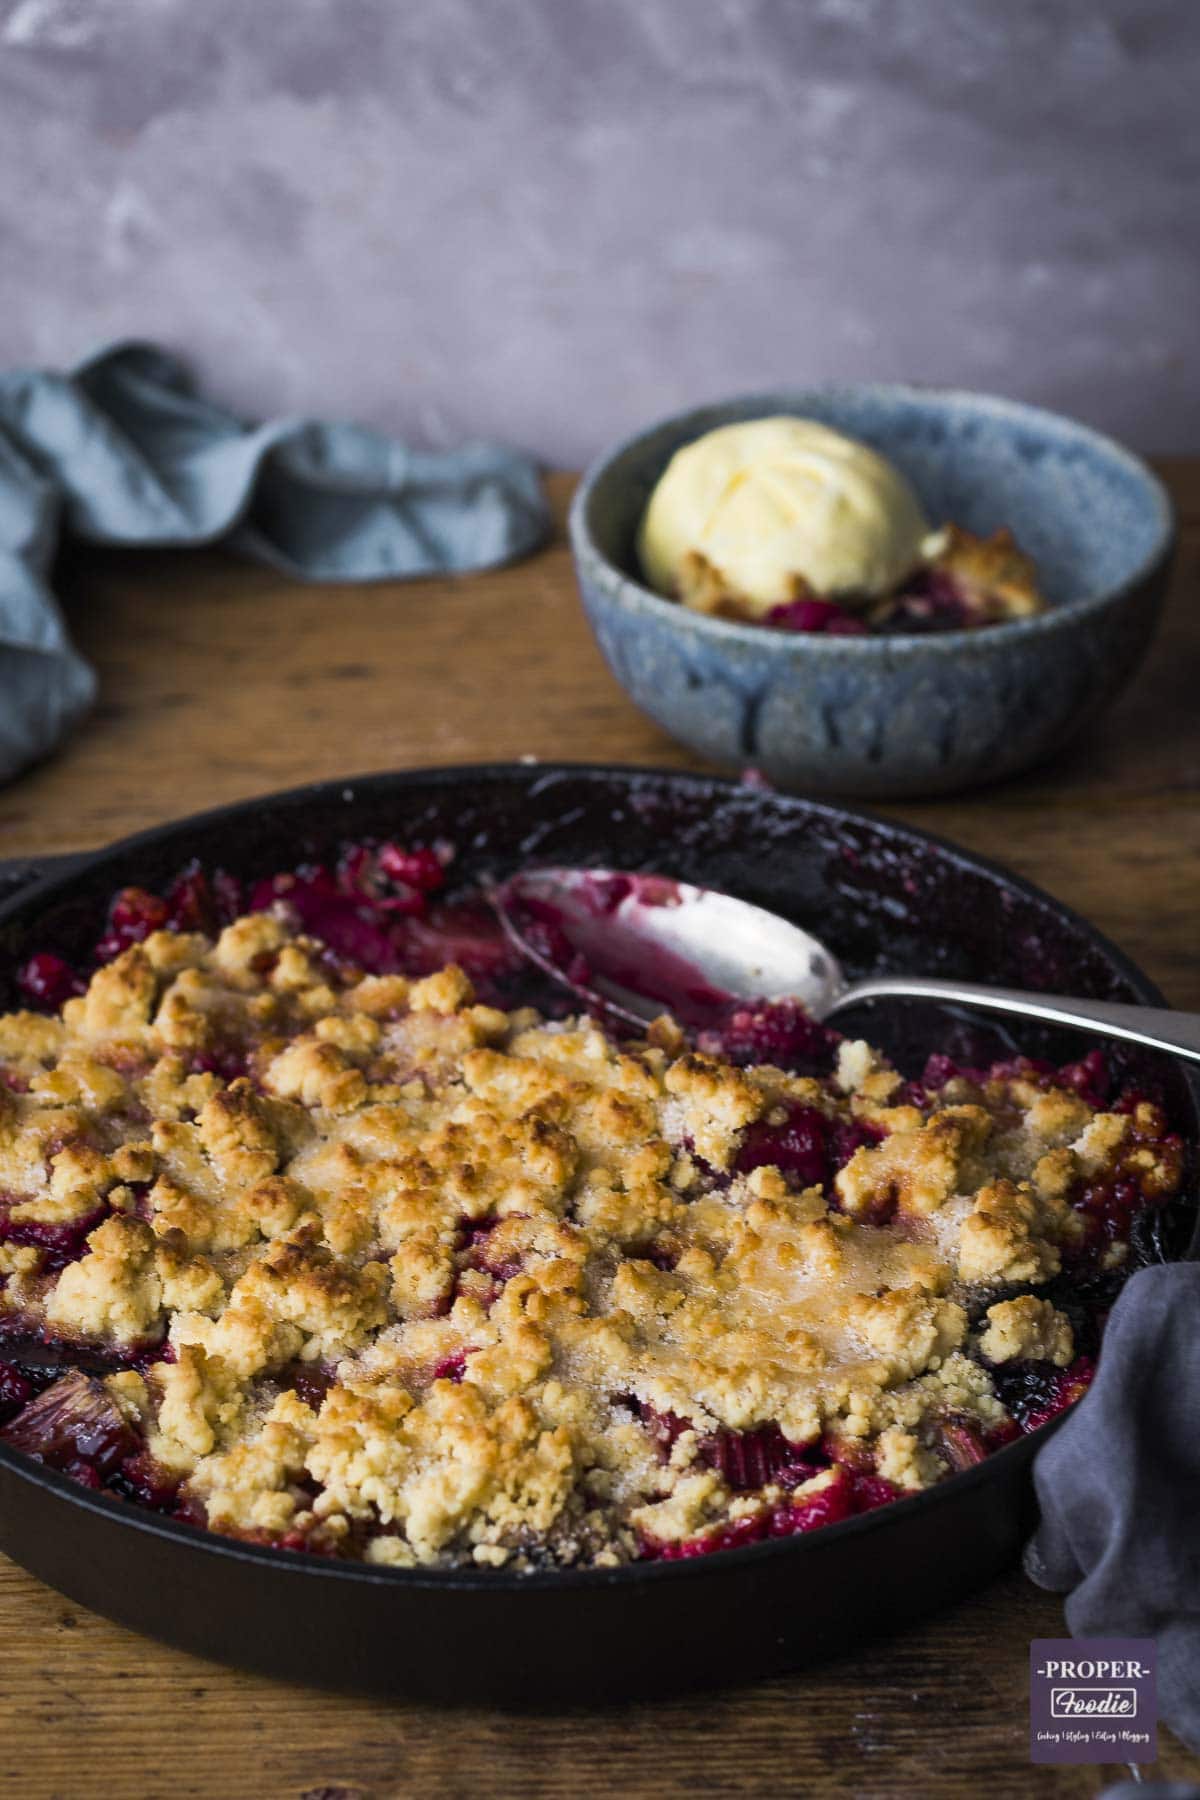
[(892, 716)]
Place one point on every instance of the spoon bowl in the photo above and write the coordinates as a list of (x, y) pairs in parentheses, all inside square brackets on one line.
[(638, 943), (635, 944)]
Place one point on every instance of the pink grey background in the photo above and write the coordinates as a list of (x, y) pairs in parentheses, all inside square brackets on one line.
[(550, 220)]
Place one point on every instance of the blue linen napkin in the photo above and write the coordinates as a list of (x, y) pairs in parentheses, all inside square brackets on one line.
[(1119, 1489), (123, 451)]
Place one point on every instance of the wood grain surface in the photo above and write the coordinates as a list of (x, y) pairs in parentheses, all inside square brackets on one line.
[(221, 681)]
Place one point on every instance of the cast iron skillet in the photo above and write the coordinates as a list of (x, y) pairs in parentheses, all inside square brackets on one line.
[(884, 897)]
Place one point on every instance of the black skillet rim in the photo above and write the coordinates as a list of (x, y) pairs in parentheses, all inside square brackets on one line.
[(503, 1581)]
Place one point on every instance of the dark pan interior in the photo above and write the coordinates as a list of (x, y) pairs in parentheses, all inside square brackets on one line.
[(884, 898)]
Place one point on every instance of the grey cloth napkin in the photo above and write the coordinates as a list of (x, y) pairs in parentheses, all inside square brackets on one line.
[(123, 451), (1119, 1489)]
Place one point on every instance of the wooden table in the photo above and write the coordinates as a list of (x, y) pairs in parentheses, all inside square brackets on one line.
[(220, 681)]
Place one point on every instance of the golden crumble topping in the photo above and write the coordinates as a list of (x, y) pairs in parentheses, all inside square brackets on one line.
[(403, 1277), (998, 580), (961, 580)]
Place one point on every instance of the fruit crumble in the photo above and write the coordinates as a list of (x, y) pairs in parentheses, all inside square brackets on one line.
[(961, 582), (313, 1237)]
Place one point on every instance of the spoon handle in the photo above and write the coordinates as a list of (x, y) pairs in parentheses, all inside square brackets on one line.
[(1156, 1026)]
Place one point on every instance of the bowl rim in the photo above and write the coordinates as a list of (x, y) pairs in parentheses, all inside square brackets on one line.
[(637, 597), (633, 1575)]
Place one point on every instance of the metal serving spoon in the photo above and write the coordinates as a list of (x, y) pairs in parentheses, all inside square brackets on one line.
[(620, 932)]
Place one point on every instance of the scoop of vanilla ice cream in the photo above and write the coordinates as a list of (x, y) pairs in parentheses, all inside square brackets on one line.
[(771, 500)]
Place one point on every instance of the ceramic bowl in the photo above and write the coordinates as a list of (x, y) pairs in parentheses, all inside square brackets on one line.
[(892, 716)]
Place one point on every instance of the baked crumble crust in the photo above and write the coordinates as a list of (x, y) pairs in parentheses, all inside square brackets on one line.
[(998, 579), (962, 579), (417, 1280)]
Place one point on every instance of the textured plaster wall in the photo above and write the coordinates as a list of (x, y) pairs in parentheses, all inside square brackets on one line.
[(551, 219)]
